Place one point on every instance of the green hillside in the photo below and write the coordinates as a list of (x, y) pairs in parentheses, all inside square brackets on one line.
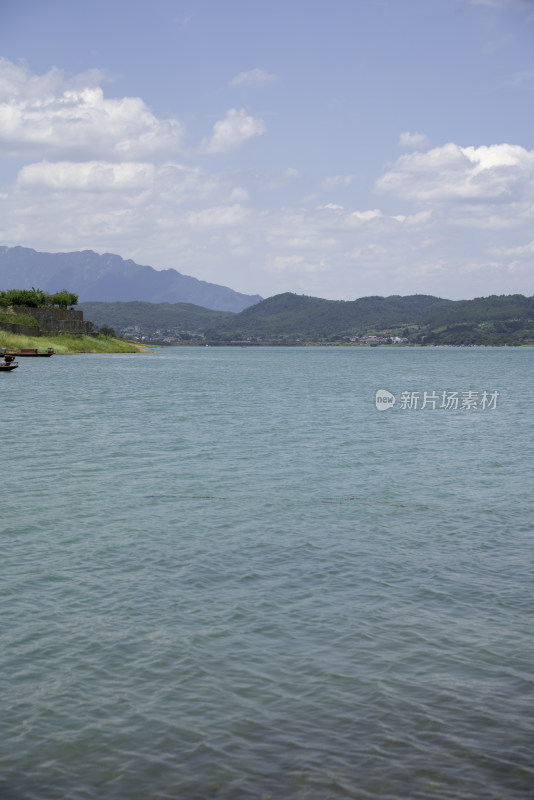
[(312, 318), (153, 317), (494, 320), (421, 319)]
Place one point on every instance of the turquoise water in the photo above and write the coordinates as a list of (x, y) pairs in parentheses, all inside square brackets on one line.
[(226, 575)]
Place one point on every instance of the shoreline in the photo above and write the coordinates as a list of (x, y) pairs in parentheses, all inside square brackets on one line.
[(67, 344)]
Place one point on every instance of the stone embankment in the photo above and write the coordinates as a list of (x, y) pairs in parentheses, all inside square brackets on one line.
[(51, 321)]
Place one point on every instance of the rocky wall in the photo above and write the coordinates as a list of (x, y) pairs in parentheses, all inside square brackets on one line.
[(21, 330), (58, 320)]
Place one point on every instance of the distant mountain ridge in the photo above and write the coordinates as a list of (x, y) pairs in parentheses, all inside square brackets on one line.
[(498, 319), (493, 320), (421, 319), (109, 277), (289, 313)]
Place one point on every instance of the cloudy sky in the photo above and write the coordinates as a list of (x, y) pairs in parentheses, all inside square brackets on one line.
[(335, 148)]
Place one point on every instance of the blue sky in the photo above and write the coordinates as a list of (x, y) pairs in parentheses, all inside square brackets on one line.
[(337, 149)]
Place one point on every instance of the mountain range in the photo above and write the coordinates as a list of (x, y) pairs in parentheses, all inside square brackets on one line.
[(122, 294), (421, 319), (109, 278)]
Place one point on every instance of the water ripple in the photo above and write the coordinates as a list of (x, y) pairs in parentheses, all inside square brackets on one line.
[(230, 578)]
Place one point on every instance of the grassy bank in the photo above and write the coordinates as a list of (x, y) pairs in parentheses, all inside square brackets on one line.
[(65, 343)]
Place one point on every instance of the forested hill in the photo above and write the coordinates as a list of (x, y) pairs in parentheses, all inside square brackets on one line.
[(495, 320), (312, 317), (151, 317)]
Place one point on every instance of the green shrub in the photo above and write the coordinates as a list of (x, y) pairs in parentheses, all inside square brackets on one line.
[(35, 298), (31, 298)]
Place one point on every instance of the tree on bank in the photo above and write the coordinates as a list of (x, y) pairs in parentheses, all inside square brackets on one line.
[(105, 330), (36, 298), (63, 299)]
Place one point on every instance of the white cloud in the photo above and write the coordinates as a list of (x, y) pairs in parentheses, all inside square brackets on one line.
[(233, 131), (521, 250), (219, 217), (365, 216), (337, 181), (414, 141), (97, 176), (495, 173), (239, 195), (287, 262), (254, 77), (413, 219), (297, 264), (56, 117), (311, 242), (223, 226), (288, 176), (17, 81)]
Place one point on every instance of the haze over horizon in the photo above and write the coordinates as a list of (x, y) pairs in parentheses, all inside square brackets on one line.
[(338, 151)]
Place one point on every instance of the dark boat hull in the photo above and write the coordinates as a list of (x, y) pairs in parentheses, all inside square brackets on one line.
[(30, 352)]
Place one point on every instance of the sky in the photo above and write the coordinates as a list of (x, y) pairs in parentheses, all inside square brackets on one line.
[(332, 148)]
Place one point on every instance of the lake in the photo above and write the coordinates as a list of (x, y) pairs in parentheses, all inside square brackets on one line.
[(227, 574)]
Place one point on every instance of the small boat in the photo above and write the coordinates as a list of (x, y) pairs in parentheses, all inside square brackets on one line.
[(8, 363), (32, 352)]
